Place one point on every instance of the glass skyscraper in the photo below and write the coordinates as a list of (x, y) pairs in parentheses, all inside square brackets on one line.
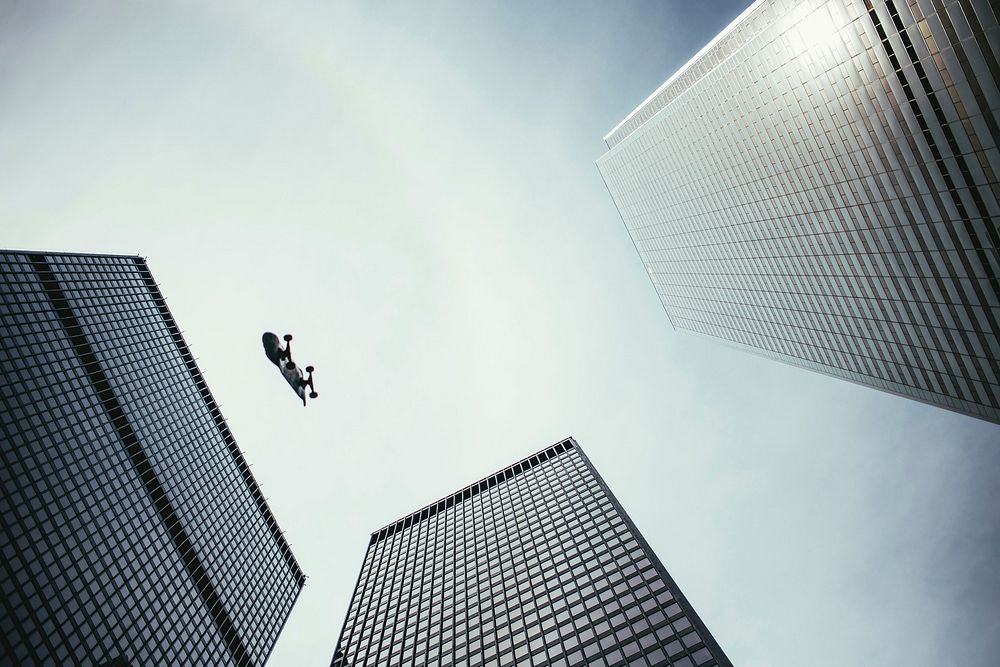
[(819, 185), (133, 532), (537, 564)]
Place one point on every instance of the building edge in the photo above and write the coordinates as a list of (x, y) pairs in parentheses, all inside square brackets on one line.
[(682, 600), (746, 13), (237, 454)]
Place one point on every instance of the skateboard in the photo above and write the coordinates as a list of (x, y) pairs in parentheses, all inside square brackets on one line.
[(281, 356)]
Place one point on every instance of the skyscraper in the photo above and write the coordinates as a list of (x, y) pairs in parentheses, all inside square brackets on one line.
[(819, 185), (536, 564), (133, 531)]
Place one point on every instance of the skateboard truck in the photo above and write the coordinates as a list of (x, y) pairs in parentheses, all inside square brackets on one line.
[(308, 382), (287, 352)]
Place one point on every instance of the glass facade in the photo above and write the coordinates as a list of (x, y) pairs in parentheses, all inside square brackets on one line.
[(133, 530), (537, 564), (820, 186)]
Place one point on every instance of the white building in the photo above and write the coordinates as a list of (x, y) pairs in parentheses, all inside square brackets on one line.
[(819, 186)]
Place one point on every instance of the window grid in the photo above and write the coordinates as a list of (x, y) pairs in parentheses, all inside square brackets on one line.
[(534, 565), (91, 569), (820, 187)]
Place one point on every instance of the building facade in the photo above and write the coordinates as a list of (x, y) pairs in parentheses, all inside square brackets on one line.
[(133, 530), (536, 564), (819, 185)]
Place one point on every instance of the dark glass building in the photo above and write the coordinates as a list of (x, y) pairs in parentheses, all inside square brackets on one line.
[(133, 531), (820, 185), (537, 564)]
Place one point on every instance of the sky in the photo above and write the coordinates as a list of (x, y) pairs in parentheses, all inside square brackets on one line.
[(410, 189)]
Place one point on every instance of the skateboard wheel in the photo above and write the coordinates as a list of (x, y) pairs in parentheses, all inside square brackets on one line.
[(290, 365), (310, 369), (288, 337), (313, 394)]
